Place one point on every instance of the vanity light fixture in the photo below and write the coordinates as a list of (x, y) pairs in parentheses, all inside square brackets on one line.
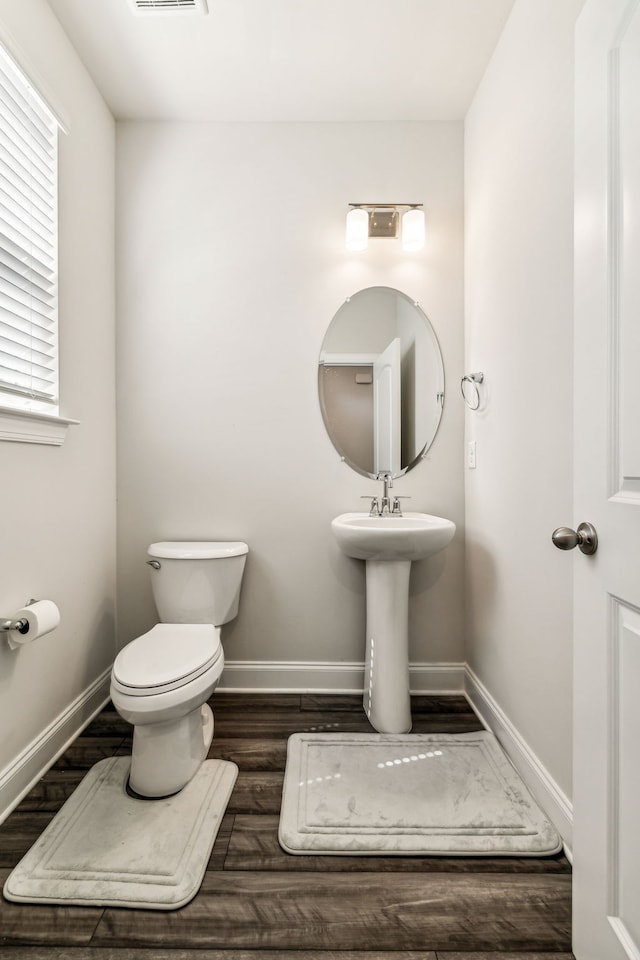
[(366, 220)]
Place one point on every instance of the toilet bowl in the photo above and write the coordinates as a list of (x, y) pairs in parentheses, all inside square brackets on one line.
[(160, 682)]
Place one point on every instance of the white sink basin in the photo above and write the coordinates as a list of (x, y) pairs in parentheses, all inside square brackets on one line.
[(412, 536)]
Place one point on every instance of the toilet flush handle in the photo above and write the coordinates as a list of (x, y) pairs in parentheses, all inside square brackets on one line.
[(155, 564)]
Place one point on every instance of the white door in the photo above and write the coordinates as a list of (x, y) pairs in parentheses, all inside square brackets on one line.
[(387, 423), (607, 482)]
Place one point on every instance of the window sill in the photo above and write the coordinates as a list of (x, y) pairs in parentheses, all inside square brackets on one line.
[(24, 426)]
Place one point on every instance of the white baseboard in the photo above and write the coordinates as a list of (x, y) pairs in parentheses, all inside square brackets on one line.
[(432, 678), (551, 798), (270, 676), (29, 766)]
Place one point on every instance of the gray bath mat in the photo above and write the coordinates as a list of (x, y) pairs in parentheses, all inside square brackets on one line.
[(105, 848), (386, 794)]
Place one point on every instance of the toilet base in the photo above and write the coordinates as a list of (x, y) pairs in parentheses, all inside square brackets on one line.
[(166, 756)]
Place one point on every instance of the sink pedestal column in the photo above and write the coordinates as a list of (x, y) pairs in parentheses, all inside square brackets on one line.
[(387, 703)]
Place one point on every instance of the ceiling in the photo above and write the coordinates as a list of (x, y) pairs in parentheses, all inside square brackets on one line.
[(288, 60)]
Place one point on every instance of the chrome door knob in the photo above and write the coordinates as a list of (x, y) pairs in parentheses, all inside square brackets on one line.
[(585, 537)]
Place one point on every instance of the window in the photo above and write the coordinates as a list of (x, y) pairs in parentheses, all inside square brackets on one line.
[(28, 246)]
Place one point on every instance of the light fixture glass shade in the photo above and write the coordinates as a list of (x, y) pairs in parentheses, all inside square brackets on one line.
[(413, 230), (357, 229)]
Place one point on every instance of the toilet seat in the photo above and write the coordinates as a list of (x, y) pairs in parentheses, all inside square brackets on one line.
[(167, 657)]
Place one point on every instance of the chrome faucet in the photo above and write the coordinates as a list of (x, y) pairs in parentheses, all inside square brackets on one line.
[(385, 506), (387, 481)]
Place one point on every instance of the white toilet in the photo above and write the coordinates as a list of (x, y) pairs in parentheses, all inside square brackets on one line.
[(161, 681)]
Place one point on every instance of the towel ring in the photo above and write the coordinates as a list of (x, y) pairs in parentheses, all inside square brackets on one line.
[(474, 379)]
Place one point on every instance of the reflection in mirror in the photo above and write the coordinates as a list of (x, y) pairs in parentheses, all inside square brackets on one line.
[(381, 382)]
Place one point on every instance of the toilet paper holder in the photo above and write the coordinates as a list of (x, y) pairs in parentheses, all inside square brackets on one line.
[(20, 625)]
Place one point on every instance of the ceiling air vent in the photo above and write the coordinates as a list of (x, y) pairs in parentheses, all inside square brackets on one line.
[(169, 6)]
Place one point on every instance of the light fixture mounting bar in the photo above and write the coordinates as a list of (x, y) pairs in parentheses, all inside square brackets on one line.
[(159, 7), (386, 206)]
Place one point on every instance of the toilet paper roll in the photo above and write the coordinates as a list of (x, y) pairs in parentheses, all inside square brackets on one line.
[(42, 617)]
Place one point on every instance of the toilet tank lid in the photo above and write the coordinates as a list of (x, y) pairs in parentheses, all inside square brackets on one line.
[(197, 549)]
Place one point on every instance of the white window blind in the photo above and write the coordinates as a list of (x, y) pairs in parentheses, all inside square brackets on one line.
[(28, 245)]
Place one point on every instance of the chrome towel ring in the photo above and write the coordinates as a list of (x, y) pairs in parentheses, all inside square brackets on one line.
[(472, 400)]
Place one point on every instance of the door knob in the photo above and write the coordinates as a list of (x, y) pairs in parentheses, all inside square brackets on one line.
[(585, 537)]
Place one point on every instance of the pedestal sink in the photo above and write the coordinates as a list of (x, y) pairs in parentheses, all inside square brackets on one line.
[(388, 544)]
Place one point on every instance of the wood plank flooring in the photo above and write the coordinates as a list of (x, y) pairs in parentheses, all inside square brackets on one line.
[(259, 903)]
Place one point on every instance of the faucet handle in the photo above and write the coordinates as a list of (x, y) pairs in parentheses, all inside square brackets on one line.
[(396, 509), (374, 509)]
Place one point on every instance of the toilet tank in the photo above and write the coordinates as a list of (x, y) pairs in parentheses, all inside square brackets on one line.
[(197, 581)]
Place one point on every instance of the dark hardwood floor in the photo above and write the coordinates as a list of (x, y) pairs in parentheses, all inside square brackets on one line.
[(259, 903)]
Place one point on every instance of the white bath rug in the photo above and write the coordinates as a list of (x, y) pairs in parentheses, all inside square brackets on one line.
[(429, 794), (105, 848)]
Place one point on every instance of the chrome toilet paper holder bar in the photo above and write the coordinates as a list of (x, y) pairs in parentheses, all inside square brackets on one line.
[(21, 625)]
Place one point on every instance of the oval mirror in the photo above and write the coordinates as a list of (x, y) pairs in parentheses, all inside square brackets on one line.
[(381, 382)]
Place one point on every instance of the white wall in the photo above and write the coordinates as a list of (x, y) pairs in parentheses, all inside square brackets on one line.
[(231, 264), (57, 506), (518, 290)]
